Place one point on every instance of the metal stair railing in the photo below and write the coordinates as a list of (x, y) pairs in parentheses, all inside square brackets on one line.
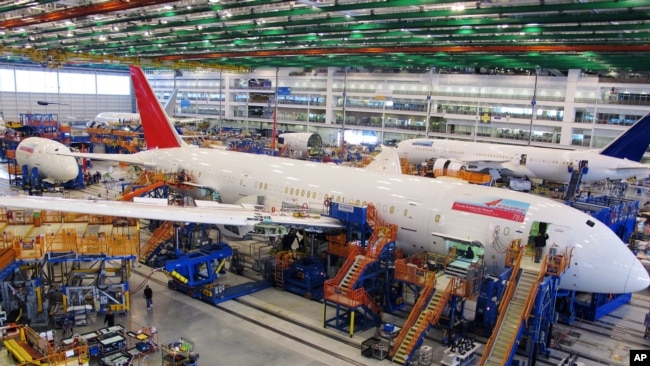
[(510, 290), (416, 311), (532, 294), (431, 317), (375, 220), (380, 237), (162, 233), (528, 306), (376, 244), (412, 273), (349, 262), (557, 264)]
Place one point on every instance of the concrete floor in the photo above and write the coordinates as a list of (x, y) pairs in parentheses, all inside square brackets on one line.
[(273, 327)]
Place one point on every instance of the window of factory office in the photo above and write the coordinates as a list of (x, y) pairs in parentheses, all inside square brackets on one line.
[(543, 134), (57, 82), (102, 90), (501, 112), (581, 137)]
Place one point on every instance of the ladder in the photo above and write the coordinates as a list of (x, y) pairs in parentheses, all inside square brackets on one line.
[(512, 319), (574, 182), (351, 274), (426, 316), (163, 233)]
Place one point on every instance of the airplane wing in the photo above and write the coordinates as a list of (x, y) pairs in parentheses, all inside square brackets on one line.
[(386, 161), (482, 160), (237, 215), (124, 158), (300, 219)]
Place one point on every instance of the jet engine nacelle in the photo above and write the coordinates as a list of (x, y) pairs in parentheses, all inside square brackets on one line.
[(41, 153), (442, 166), (301, 145)]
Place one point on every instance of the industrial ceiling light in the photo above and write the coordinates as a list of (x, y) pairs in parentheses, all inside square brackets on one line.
[(458, 7)]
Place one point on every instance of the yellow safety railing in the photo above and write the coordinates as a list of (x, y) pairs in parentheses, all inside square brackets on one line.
[(412, 273), (557, 264), (29, 348), (7, 256), (28, 249), (122, 245)]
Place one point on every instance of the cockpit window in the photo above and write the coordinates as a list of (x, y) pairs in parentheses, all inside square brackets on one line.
[(590, 223)]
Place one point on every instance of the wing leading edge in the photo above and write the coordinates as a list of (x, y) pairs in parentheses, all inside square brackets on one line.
[(123, 158)]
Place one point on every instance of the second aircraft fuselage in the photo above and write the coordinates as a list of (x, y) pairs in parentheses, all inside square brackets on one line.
[(534, 162)]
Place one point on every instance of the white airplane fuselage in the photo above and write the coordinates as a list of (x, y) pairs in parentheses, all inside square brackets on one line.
[(41, 153), (425, 210), (533, 162), (114, 118), (429, 213), (302, 144)]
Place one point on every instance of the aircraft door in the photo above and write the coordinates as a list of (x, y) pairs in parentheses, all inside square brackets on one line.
[(522, 159), (246, 180), (584, 166), (559, 238)]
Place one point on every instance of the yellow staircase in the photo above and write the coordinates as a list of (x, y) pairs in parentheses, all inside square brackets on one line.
[(357, 262), (352, 273), (514, 310), (341, 289), (426, 312), (162, 233)]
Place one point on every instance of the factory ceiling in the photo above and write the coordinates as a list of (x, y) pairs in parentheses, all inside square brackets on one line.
[(592, 35)]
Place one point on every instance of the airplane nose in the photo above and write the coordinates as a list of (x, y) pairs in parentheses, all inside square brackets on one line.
[(71, 171), (638, 279)]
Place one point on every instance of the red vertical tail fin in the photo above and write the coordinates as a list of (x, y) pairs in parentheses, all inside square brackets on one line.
[(159, 133)]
